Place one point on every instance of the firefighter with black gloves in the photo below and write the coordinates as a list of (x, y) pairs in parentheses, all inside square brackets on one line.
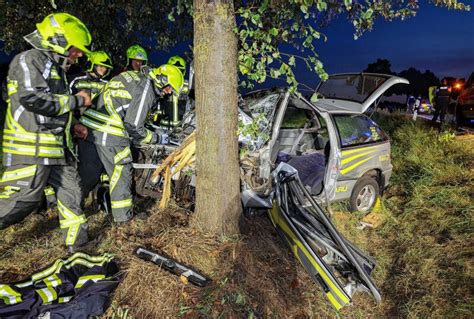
[(442, 101), (136, 58), (117, 120), (37, 142)]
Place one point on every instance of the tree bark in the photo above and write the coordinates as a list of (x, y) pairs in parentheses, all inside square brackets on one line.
[(218, 205)]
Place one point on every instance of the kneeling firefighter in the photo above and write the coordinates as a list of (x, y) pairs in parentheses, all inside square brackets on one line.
[(118, 119), (37, 143)]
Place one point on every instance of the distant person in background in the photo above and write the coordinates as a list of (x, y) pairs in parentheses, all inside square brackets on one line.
[(442, 100), (417, 103), (432, 97), (410, 104)]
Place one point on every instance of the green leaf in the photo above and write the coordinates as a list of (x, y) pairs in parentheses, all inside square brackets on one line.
[(304, 8), (273, 31), (291, 61), (274, 73), (322, 6), (243, 69)]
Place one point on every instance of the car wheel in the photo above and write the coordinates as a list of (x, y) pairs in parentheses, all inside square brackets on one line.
[(364, 195)]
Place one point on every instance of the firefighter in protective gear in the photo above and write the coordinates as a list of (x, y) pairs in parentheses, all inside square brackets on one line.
[(136, 58), (37, 143), (172, 112), (118, 119), (178, 62), (99, 66)]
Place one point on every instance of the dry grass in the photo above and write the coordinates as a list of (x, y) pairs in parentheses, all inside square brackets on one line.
[(424, 249)]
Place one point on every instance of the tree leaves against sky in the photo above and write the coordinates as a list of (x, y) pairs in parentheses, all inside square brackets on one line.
[(264, 28)]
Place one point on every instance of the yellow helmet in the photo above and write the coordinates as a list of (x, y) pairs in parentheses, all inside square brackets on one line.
[(178, 62), (60, 31), (136, 52), (99, 58), (168, 74)]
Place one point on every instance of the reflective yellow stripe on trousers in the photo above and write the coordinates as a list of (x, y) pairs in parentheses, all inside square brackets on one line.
[(71, 221), (122, 203), (121, 155)]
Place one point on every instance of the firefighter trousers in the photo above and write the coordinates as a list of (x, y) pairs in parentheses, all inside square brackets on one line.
[(117, 161), (23, 189)]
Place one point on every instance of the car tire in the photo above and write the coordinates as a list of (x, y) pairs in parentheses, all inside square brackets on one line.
[(364, 195)]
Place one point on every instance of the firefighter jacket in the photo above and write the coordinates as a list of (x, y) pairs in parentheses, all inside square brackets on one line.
[(119, 115), (38, 119), (77, 287), (86, 81)]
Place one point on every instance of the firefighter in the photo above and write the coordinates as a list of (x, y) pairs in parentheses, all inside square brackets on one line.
[(118, 119), (99, 66), (92, 81), (37, 143), (136, 58), (442, 100)]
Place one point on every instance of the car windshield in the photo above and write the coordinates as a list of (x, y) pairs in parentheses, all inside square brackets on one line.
[(352, 87)]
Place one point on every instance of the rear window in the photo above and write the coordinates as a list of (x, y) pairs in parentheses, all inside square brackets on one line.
[(352, 87), (358, 130)]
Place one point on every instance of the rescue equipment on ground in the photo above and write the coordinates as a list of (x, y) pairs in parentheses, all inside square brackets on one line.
[(173, 266)]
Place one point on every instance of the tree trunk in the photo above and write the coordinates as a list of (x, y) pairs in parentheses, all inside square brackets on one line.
[(218, 205)]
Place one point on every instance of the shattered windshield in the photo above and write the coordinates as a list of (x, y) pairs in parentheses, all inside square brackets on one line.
[(352, 87), (256, 120)]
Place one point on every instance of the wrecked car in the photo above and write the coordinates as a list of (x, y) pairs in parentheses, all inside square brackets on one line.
[(338, 151)]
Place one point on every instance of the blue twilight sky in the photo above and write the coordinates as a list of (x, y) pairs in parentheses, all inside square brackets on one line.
[(436, 39)]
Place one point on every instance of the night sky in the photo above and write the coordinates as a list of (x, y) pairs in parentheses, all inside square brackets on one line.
[(436, 39)]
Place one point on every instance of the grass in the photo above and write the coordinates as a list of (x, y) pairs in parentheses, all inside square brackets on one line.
[(423, 246)]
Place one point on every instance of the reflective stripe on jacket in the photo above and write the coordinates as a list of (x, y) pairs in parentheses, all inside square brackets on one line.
[(121, 110), (38, 119), (86, 82)]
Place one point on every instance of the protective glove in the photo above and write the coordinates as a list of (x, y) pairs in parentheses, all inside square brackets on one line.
[(163, 139)]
